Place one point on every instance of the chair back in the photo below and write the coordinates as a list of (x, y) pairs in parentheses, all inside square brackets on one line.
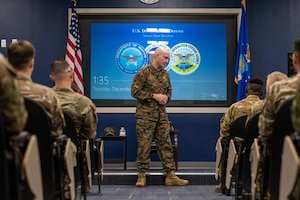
[(32, 168), (4, 182), (282, 127), (251, 133), (237, 128), (38, 123), (70, 129), (289, 169)]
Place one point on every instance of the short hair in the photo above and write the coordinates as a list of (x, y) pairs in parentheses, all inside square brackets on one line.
[(59, 67), (20, 53), (273, 77), (255, 87)]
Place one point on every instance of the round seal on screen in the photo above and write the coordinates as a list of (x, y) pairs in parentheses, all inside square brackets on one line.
[(130, 57), (150, 50), (185, 58)]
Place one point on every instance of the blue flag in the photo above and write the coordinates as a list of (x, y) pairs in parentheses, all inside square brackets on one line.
[(242, 67)]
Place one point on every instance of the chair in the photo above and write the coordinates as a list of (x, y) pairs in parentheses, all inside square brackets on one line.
[(32, 168), (255, 160), (222, 147), (251, 133), (100, 162), (52, 149), (83, 172), (70, 131), (290, 167), (235, 154), (68, 158), (38, 123), (4, 182), (174, 139), (282, 127)]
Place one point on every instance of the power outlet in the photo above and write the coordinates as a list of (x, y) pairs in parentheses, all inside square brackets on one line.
[(3, 43)]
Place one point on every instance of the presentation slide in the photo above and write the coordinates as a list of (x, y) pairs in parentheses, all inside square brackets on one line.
[(197, 65)]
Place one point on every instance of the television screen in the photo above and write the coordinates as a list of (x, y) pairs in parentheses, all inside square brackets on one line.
[(202, 55)]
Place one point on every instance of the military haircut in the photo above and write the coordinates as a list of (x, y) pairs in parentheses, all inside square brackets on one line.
[(59, 67), (20, 53), (255, 87)]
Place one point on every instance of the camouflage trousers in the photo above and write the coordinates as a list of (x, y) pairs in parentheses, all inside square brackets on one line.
[(147, 132)]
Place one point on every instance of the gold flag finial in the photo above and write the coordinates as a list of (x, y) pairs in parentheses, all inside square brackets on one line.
[(74, 2), (243, 2)]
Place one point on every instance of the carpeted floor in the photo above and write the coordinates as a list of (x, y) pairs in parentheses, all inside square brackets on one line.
[(156, 192)]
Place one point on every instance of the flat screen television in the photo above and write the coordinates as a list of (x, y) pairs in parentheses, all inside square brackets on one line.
[(115, 45)]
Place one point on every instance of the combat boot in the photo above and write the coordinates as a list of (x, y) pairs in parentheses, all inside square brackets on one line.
[(141, 182), (173, 180)]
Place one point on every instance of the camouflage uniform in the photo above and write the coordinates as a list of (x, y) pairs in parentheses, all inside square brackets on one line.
[(279, 92), (236, 110), (82, 110), (11, 102), (47, 97), (295, 194), (296, 111), (152, 119), (256, 108)]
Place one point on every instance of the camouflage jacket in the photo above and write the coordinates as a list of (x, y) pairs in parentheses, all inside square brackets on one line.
[(256, 108), (47, 97), (147, 81), (236, 110), (82, 110), (12, 106), (296, 111), (279, 92)]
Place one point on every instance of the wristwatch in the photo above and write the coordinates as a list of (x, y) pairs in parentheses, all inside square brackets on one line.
[(149, 1)]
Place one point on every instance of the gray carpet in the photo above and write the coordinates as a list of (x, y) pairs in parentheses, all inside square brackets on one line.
[(156, 192)]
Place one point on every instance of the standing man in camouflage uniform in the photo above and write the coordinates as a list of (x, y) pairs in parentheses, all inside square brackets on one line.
[(254, 91), (12, 106), (81, 108), (21, 57), (152, 89)]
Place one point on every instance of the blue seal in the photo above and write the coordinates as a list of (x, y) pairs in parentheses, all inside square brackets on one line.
[(130, 57)]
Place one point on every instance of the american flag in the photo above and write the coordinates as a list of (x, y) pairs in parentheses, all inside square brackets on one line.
[(73, 53)]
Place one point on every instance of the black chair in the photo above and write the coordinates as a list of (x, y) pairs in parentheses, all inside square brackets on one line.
[(4, 182), (52, 150), (83, 171), (251, 133), (174, 140), (18, 180), (282, 127), (38, 123), (235, 155)]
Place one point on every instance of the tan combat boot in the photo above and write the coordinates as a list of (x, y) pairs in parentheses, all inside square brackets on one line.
[(173, 180), (141, 182)]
